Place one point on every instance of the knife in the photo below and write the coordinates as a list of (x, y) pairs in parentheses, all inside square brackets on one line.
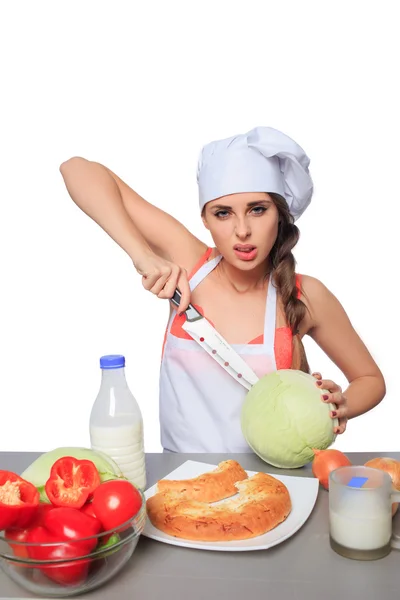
[(202, 332)]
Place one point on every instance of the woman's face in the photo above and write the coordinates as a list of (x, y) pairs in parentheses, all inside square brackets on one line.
[(244, 227)]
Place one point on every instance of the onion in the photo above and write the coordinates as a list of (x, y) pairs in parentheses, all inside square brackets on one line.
[(326, 461), (391, 466)]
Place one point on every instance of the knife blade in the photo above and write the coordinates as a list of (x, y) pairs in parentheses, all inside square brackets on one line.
[(202, 332)]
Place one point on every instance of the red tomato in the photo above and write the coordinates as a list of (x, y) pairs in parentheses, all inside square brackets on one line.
[(19, 500), (71, 482), (115, 502)]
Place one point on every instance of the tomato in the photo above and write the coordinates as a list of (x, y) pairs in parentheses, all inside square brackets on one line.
[(19, 500), (115, 502), (67, 573), (72, 524), (71, 482)]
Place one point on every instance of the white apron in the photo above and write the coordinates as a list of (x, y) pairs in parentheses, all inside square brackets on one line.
[(200, 403)]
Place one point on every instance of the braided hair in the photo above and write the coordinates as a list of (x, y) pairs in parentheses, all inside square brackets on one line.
[(283, 269)]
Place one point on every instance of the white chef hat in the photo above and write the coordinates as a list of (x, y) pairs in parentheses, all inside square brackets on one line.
[(262, 160)]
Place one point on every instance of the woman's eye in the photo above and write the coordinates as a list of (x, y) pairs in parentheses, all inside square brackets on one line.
[(258, 210)]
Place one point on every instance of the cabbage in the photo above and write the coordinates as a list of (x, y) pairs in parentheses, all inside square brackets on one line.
[(39, 471), (283, 418)]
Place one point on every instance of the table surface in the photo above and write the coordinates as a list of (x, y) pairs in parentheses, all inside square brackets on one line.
[(304, 567)]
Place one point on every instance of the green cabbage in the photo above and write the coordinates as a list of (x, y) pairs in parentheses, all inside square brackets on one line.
[(283, 418), (39, 471)]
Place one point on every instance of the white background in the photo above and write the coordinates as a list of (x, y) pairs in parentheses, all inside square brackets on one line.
[(141, 87)]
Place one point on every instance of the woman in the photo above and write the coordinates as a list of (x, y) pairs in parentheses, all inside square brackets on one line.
[(252, 188)]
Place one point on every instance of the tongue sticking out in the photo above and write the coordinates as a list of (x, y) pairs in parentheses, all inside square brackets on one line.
[(246, 253)]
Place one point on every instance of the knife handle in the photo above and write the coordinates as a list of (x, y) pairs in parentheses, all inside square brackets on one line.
[(191, 313), (176, 298)]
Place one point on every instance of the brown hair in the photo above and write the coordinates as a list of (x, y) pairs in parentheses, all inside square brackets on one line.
[(283, 270)]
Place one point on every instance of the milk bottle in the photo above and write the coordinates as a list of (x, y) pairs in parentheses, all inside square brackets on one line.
[(116, 423)]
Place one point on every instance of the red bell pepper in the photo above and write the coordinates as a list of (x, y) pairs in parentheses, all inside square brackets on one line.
[(19, 500), (65, 528), (70, 572), (87, 509), (72, 524), (21, 534), (72, 482)]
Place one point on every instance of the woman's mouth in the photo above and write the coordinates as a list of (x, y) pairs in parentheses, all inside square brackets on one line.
[(245, 251)]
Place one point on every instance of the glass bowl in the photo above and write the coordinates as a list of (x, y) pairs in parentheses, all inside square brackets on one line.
[(71, 576)]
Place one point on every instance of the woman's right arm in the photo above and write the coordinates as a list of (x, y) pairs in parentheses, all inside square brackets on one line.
[(160, 247)]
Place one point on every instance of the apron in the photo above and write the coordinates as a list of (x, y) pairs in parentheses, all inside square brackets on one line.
[(200, 403)]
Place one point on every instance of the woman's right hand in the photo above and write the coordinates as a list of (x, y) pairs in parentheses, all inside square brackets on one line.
[(162, 277)]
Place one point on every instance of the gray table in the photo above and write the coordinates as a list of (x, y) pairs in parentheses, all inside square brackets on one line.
[(302, 568)]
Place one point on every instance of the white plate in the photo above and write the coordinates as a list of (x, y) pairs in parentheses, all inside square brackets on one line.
[(303, 492)]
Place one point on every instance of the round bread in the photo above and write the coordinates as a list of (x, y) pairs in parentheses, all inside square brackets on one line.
[(263, 503), (207, 487)]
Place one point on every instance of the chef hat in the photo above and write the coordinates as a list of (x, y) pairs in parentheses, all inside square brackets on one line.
[(262, 160)]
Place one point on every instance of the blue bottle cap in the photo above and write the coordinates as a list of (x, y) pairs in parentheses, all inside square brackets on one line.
[(112, 361)]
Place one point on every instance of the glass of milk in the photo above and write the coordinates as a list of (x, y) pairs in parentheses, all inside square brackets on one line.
[(360, 512), (116, 423)]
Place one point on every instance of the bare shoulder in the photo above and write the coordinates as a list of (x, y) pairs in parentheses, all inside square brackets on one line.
[(330, 327), (315, 294), (313, 286)]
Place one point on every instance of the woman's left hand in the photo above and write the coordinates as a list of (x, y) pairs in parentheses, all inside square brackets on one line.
[(334, 396)]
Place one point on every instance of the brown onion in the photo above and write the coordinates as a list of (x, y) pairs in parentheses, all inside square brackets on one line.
[(391, 466), (326, 461)]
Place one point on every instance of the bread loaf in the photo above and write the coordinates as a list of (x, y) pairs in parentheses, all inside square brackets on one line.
[(208, 487), (263, 502)]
